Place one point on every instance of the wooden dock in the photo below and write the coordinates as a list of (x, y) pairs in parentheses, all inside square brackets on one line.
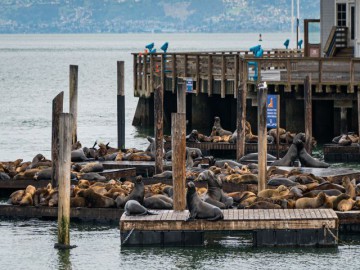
[(337, 153), (271, 227), (210, 147)]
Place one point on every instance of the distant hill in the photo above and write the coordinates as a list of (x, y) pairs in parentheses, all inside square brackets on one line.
[(121, 16)]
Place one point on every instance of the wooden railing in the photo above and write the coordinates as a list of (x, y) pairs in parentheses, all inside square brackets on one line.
[(221, 73), (336, 39)]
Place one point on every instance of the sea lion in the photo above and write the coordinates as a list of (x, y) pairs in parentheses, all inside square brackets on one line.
[(277, 181), (349, 187), (220, 131), (316, 202), (92, 176), (297, 191), (164, 174), (199, 209), (96, 200), (138, 191), (78, 155), (253, 157), (4, 176), (78, 202), (215, 195), (245, 178), (16, 197), (92, 167), (231, 163), (328, 185), (292, 153), (158, 202), (83, 183), (46, 175), (328, 192), (263, 205), (193, 136), (281, 191), (308, 161), (134, 208)]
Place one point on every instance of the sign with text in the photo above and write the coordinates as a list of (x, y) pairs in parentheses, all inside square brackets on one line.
[(271, 111), (189, 85)]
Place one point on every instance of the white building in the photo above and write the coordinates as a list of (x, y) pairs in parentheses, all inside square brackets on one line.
[(341, 13)]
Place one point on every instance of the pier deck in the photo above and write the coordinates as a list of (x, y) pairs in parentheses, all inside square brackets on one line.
[(337, 153), (270, 226), (145, 168)]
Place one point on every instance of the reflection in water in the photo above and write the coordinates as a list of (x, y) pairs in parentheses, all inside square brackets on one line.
[(64, 259)]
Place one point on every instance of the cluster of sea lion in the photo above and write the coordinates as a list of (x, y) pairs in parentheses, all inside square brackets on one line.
[(98, 195), (346, 139)]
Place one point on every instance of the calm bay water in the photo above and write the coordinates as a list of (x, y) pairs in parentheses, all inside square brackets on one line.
[(33, 70)]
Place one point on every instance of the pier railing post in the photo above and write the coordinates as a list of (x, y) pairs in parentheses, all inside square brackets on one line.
[(65, 124), (57, 109), (240, 121), (308, 113), (181, 97), (178, 145), (121, 104), (262, 138), (73, 85), (159, 132)]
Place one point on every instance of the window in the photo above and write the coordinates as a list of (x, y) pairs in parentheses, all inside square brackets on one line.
[(352, 24), (341, 14)]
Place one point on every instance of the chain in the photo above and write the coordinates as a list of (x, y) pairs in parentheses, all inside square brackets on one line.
[(127, 237)]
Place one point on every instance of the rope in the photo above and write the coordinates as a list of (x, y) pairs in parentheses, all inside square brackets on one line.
[(127, 237), (327, 229)]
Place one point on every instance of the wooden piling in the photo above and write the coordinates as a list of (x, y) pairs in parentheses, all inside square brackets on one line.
[(178, 144), (358, 108), (159, 118), (262, 138), (65, 124), (57, 109), (210, 75), (308, 113), (73, 83), (181, 98), (241, 121), (278, 127), (121, 104)]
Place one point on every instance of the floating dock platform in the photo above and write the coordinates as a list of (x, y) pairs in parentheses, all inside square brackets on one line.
[(210, 147), (270, 227), (338, 153), (145, 168)]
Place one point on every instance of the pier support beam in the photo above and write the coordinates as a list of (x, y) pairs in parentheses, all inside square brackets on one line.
[(159, 131), (73, 83), (262, 136), (121, 104), (343, 120), (308, 113), (240, 121), (178, 144), (57, 109)]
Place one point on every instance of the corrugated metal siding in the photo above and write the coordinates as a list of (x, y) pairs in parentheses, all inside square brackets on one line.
[(327, 20)]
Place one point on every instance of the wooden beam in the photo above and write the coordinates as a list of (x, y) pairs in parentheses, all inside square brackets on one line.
[(223, 71), (139, 84), (57, 109), (174, 72), (197, 74), (320, 75), (352, 76), (65, 124), (73, 87), (121, 104), (135, 73), (152, 68), (358, 108), (210, 75), (185, 65), (181, 98), (262, 138), (144, 84), (241, 121), (308, 113), (178, 137), (236, 75)]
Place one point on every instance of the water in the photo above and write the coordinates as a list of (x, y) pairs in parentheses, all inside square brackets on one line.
[(33, 70)]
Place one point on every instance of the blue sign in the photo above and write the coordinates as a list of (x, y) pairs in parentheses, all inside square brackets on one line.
[(271, 111), (189, 85)]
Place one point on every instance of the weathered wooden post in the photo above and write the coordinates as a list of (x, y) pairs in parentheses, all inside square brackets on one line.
[(241, 121), (262, 138), (178, 145), (278, 127), (358, 108), (65, 136), (73, 83), (121, 104), (158, 119), (343, 120), (308, 113), (181, 97), (57, 109)]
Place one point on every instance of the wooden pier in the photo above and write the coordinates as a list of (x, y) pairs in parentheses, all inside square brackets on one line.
[(337, 153), (145, 168), (271, 227)]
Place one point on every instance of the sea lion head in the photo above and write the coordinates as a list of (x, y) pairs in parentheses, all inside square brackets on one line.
[(191, 188), (321, 198), (37, 158), (138, 179), (282, 188), (217, 119)]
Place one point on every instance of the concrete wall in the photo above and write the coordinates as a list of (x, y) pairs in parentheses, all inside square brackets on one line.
[(327, 20)]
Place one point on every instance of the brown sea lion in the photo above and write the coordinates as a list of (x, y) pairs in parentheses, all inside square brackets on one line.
[(78, 202), (316, 202), (349, 187), (328, 185), (263, 205), (96, 200), (199, 209), (16, 197), (92, 167), (219, 130), (281, 191)]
